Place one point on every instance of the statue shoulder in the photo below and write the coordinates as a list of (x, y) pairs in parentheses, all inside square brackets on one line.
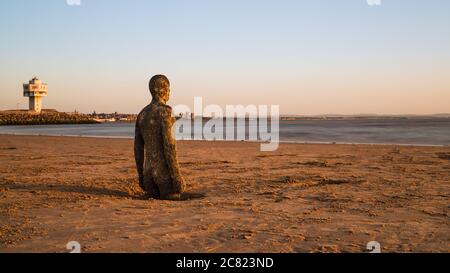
[(144, 111), (166, 110)]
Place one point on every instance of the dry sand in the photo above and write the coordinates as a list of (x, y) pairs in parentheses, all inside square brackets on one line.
[(302, 198)]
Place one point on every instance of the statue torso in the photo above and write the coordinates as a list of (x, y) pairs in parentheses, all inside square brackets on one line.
[(150, 122)]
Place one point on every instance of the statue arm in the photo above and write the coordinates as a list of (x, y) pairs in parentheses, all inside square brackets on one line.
[(139, 154), (170, 151)]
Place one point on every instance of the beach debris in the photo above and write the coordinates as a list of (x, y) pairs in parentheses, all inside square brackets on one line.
[(8, 148), (314, 163), (247, 234)]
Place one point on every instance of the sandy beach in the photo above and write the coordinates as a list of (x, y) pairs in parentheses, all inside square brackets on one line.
[(301, 198)]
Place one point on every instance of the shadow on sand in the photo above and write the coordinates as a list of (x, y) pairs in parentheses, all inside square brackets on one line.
[(95, 191), (71, 189)]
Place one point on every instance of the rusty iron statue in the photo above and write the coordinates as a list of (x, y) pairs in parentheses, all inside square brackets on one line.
[(154, 146)]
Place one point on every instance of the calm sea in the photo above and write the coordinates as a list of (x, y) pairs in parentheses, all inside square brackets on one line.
[(415, 131)]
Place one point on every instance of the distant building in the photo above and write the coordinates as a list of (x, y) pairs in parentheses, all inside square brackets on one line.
[(35, 89)]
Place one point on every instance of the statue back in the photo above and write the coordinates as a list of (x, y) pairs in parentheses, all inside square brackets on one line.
[(150, 122)]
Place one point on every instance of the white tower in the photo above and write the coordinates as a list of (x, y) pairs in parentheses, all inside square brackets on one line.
[(35, 90)]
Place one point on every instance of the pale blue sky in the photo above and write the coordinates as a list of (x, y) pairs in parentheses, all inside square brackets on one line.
[(310, 57)]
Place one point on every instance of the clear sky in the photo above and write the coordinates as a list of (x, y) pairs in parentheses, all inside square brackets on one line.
[(310, 57)]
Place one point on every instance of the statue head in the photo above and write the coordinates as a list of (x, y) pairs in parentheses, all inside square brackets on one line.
[(160, 88)]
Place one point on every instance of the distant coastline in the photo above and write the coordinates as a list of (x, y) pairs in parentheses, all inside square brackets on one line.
[(360, 116), (46, 117), (54, 117)]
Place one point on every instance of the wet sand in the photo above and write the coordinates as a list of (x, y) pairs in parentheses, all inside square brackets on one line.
[(301, 198)]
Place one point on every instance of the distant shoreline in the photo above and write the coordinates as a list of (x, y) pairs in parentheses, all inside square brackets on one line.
[(46, 117), (52, 116)]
